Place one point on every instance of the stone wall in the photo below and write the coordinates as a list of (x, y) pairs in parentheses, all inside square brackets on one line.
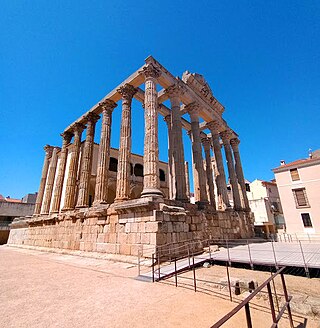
[(128, 230)]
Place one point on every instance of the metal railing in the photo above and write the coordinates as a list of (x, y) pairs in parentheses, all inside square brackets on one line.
[(246, 304)]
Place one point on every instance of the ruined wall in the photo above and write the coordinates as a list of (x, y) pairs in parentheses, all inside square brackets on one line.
[(128, 233)]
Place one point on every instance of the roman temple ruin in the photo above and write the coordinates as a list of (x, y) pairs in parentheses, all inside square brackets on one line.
[(96, 198)]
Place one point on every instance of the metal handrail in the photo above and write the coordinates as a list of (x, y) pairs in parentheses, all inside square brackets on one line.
[(245, 303)]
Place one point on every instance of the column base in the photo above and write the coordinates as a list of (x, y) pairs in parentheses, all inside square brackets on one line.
[(151, 192), (119, 200), (82, 206), (99, 202)]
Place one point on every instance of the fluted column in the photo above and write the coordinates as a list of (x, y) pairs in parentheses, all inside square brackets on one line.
[(186, 168), (170, 164), (220, 174), (48, 149), (66, 138), (50, 181), (86, 162), (70, 196), (151, 181), (225, 136), (199, 178), (177, 144), (101, 189), (206, 146), (239, 171), (123, 176)]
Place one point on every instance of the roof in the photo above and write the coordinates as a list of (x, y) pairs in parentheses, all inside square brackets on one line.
[(298, 163), (9, 200)]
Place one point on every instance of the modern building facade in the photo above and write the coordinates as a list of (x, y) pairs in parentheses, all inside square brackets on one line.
[(265, 204), (299, 189)]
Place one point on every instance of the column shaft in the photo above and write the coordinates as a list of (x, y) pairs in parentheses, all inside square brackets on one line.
[(66, 136), (239, 172), (48, 149), (232, 174), (101, 189), (220, 174), (186, 169), (209, 174), (171, 178), (86, 162), (177, 145), (151, 182), (198, 169), (50, 181), (123, 175), (70, 196)]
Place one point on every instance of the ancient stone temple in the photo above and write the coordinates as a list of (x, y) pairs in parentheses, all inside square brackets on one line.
[(96, 198)]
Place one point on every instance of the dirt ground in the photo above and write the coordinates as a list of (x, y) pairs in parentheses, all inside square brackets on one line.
[(39, 289)]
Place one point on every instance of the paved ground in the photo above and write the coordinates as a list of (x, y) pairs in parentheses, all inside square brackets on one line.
[(40, 289)]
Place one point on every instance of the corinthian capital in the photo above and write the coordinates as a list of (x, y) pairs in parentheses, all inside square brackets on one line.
[(167, 118), (215, 127), (108, 105), (192, 108), (226, 135), (173, 91), (92, 117), (78, 128), (48, 149), (127, 91), (206, 142), (151, 71), (66, 137), (234, 143)]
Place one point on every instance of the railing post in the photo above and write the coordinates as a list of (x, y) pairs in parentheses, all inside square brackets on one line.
[(229, 260), (249, 251), (138, 262), (248, 315), (287, 299), (306, 269), (229, 284), (152, 267), (273, 312), (209, 251), (158, 265), (175, 271), (274, 255), (189, 256), (194, 274), (275, 293)]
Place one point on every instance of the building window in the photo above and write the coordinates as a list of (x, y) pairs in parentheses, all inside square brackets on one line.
[(162, 175), (294, 175), (306, 220), (300, 197), (113, 164), (138, 170), (247, 187)]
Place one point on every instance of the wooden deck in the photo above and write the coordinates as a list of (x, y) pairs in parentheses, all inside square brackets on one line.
[(268, 253)]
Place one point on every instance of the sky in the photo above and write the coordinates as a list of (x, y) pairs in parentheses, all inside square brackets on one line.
[(59, 58)]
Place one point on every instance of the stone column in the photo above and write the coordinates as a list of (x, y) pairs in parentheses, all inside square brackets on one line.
[(225, 136), (123, 176), (151, 181), (179, 180), (70, 196), (199, 178), (170, 164), (206, 146), (235, 147), (66, 138), (101, 189), (86, 162), (186, 168), (48, 149), (50, 181), (215, 127)]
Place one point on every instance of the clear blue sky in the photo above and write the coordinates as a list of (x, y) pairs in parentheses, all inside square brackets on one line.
[(58, 58)]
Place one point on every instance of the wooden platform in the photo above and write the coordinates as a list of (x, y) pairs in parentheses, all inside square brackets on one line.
[(269, 253)]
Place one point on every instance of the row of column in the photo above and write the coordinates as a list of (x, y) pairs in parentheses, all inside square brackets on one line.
[(78, 195)]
